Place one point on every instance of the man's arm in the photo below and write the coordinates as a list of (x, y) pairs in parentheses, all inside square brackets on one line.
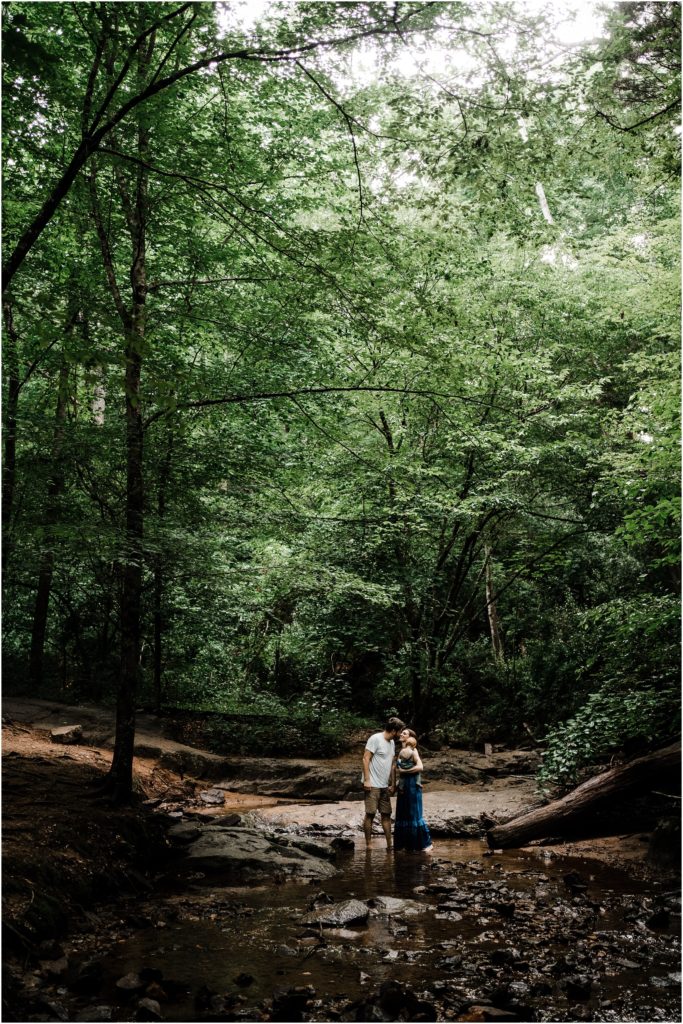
[(367, 757)]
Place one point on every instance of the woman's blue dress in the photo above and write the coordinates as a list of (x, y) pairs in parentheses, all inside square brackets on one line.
[(411, 831)]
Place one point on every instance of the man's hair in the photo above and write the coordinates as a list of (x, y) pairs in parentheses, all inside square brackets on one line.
[(394, 725)]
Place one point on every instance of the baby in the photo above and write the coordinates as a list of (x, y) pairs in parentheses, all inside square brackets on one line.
[(406, 759)]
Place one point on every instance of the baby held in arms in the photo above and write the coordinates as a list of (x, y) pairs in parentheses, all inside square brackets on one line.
[(406, 760)]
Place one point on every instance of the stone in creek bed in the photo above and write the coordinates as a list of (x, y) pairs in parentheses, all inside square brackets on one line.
[(55, 968), (212, 796), (248, 854), (148, 1009), (492, 1013), (344, 933), (184, 832), (95, 1013), (390, 905), (130, 983), (50, 950), (338, 914), (89, 978), (67, 734), (579, 987)]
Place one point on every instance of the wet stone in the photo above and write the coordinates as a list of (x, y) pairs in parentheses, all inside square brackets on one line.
[(155, 991), (289, 1004), (247, 854), (212, 796), (392, 906), (184, 832), (492, 1013), (54, 1010), (130, 983), (148, 1009), (338, 914), (283, 950), (88, 979), (95, 1013), (579, 987), (49, 950), (67, 734), (54, 968)]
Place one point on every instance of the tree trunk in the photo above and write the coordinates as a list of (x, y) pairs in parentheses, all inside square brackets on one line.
[(120, 777), (10, 432), (492, 608), (121, 771), (47, 558), (159, 620), (562, 815)]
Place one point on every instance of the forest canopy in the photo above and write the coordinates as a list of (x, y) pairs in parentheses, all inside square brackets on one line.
[(341, 366)]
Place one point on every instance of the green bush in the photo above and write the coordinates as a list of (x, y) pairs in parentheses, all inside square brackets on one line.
[(607, 722)]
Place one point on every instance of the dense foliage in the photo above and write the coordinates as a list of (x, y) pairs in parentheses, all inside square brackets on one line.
[(341, 366)]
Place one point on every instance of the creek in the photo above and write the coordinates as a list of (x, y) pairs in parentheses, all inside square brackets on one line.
[(511, 936)]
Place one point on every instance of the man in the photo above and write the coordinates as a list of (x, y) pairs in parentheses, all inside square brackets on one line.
[(379, 778)]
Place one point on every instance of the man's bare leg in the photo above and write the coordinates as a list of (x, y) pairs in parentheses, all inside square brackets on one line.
[(386, 827), (367, 827)]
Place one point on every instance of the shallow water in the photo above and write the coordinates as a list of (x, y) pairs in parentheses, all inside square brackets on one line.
[(212, 934)]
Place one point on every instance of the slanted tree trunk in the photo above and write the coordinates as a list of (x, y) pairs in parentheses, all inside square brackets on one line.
[(47, 558), (562, 815)]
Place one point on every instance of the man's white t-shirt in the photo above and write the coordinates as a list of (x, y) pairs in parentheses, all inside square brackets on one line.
[(381, 760)]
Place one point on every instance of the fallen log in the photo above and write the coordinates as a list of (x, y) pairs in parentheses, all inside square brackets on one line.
[(556, 817)]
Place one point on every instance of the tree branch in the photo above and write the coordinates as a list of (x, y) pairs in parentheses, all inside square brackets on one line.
[(646, 120), (267, 395), (92, 141)]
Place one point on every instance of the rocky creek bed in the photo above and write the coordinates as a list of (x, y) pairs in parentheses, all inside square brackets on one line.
[(253, 909)]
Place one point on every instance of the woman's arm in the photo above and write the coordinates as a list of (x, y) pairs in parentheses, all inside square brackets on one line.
[(417, 765)]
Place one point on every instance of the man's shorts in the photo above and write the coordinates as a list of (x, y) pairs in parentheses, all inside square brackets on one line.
[(377, 800)]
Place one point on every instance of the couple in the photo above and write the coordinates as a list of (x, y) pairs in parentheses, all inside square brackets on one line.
[(379, 782)]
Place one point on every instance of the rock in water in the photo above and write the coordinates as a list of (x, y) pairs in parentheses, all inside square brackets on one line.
[(393, 907), (148, 1009), (130, 983), (248, 854), (579, 986), (491, 1013), (185, 832), (67, 734), (55, 968), (337, 914), (95, 1013), (289, 1004)]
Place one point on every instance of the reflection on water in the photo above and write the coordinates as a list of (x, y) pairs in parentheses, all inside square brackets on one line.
[(213, 934)]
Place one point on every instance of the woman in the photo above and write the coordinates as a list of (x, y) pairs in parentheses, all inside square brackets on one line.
[(411, 831)]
